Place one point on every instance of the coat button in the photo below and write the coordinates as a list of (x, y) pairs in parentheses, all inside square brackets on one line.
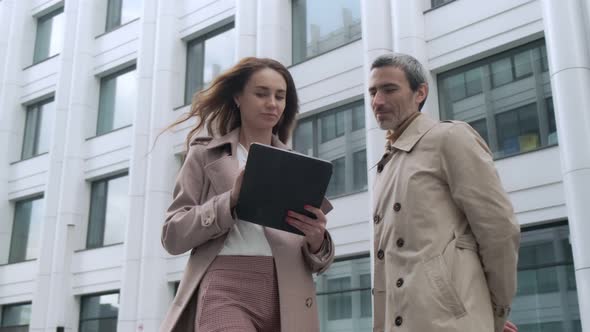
[(380, 254), (376, 219), (400, 242), (308, 302), (398, 321), (399, 282), (397, 207), (379, 168)]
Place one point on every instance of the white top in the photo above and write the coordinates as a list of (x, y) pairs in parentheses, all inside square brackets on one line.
[(245, 238)]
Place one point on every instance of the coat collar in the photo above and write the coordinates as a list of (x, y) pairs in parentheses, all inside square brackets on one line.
[(411, 135)]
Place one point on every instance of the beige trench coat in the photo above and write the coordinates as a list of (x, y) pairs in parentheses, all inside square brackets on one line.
[(199, 219), (445, 235)]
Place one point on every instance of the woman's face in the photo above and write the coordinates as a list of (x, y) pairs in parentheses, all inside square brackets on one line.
[(263, 99)]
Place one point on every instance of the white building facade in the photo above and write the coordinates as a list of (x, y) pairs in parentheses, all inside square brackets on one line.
[(86, 86)]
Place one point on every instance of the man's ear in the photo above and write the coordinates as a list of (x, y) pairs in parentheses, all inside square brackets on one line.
[(422, 93)]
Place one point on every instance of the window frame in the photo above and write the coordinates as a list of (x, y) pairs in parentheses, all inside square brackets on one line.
[(81, 321), (315, 118), (2, 315), (201, 39), (534, 46), (35, 109), (49, 16), (120, 23), (12, 232), (295, 26), (103, 211), (101, 101)]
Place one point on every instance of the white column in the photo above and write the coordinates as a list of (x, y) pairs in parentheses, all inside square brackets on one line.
[(13, 16), (409, 38), (145, 293), (245, 28), (566, 31), (48, 311), (273, 30), (377, 40)]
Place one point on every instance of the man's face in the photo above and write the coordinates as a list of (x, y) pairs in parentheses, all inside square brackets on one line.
[(392, 99)]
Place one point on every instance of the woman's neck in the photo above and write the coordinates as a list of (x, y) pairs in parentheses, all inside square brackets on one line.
[(248, 137)]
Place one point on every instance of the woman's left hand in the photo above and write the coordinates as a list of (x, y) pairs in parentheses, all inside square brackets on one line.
[(314, 229)]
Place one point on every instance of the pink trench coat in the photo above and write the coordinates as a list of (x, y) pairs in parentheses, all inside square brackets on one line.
[(199, 219)]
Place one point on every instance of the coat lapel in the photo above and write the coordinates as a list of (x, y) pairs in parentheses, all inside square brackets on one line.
[(223, 166)]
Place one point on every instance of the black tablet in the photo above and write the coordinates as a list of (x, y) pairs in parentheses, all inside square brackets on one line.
[(276, 181)]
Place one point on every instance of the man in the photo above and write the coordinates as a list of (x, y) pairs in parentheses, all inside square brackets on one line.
[(445, 235)]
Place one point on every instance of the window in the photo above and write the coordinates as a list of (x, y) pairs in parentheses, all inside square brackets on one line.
[(26, 230), (344, 296), (38, 127), (207, 56), (120, 12), (98, 313), (438, 3), (506, 98), (320, 26), (118, 100), (15, 318), (337, 135), (108, 212), (546, 298), (50, 35)]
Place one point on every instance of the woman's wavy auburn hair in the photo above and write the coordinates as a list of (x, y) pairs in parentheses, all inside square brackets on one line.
[(215, 107)]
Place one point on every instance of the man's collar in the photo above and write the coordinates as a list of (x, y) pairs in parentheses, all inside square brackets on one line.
[(412, 134)]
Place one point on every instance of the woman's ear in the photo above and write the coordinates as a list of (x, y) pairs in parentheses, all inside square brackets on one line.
[(237, 100)]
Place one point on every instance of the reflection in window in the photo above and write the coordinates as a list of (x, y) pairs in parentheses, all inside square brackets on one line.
[(26, 230), (207, 57), (98, 313), (120, 12), (506, 98), (344, 296), (38, 127), (320, 26), (337, 135), (118, 100), (108, 212), (546, 298), (15, 317), (50, 35)]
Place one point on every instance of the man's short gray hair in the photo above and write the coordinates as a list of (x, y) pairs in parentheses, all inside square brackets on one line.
[(415, 73)]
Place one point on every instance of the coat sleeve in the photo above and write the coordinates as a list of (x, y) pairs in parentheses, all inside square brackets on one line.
[(319, 262), (189, 222), (475, 186)]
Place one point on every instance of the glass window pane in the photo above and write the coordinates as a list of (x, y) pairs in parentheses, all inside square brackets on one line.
[(100, 306), (219, 55), (96, 222), (481, 127), (46, 116), (131, 10), (24, 243), (49, 37), (508, 132), (118, 101), (338, 180), (366, 299), (116, 210), (320, 26), (529, 128), (455, 87), (303, 138), (206, 58), (501, 72), (545, 300), (57, 34), (358, 118), (113, 14), (125, 99), (16, 315), (522, 64), (30, 134), (339, 304), (473, 81), (99, 325), (360, 170)]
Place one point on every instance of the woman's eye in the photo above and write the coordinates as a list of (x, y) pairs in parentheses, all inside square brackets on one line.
[(280, 97), (261, 95)]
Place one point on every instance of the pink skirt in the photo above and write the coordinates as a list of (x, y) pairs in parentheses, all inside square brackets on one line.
[(239, 293)]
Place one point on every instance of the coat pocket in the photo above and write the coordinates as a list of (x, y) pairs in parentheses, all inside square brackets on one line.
[(439, 277)]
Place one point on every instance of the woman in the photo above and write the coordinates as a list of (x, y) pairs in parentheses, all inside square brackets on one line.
[(241, 276)]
